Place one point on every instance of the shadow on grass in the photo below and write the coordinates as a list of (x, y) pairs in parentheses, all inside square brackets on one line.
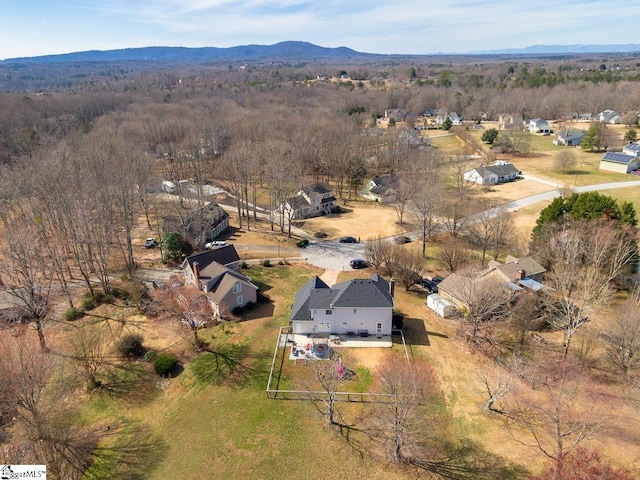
[(231, 364), (468, 461), (128, 450), (415, 332), (130, 380)]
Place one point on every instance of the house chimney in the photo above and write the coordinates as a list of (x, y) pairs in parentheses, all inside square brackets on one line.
[(521, 274), (392, 286), (196, 274)]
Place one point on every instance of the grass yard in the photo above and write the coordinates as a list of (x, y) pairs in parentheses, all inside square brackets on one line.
[(447, 144), (364, 218), (229, 429)]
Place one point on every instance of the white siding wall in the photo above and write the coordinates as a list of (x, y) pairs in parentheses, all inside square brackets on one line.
[(363, 318)]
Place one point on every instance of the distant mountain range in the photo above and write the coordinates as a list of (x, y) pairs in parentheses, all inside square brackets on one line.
[(280, 51), (290, 51), (562, 49)]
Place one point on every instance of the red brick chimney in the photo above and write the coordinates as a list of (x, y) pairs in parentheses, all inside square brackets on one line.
[(521, 274), (196, 274), (392, 286)]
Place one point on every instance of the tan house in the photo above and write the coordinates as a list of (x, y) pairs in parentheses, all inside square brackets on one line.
[(216, 273), (312, 201)]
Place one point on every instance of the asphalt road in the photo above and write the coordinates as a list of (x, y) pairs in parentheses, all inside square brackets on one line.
[(332, 255)]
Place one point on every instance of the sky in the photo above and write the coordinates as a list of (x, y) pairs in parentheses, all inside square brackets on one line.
[(42, 27)]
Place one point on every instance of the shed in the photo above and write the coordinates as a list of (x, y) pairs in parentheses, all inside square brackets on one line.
[(442, 307)]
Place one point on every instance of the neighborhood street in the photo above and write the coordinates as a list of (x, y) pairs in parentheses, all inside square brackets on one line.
[(332, 255)]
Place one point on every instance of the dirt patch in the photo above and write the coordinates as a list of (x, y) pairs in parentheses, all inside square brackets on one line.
[(363, 219)]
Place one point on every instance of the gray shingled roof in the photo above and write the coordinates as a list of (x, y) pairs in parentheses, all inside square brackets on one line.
[(315, 294), (363, 293), (223, 255), (300, 309), (318, 188), (503, 170)]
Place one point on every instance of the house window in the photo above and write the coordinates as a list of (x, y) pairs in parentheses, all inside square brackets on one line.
[(237, 288), (355, 310), (379, 327), (239, 299), (344, 324), (328, 312)]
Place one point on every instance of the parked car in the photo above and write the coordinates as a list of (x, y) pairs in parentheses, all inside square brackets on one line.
[(215, 243), (348, 240), (402, 239), (150, 242), (430, 285), (437, 279), (358, 263)]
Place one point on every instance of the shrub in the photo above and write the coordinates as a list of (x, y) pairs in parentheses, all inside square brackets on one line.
[(244, 265), (71, 314), (88, 303), (174, 248), (165, 363), (120, 293), (149, 355), (266, 263), (130, 345)]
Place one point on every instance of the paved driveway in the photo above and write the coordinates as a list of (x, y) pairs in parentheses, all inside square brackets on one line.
[(333, 255)]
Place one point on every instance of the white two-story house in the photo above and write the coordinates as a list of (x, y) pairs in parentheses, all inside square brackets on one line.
[(359, 307)]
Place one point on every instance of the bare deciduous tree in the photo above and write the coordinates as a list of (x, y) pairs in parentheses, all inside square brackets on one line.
[(623, 338), (561, 421), (584, 261), (400, 418), (564, 160)]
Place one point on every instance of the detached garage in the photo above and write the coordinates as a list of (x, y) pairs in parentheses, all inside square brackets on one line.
[(442, 307), (619, 162)]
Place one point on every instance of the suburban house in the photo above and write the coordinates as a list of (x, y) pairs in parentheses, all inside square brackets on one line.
[(359, 307), (569, 138), (619, 162), (538, 125), (585, 116), (397, 114), (207, 222), (216, 273), (227, 256), (453, 116), (501, 172), (455, 289), (632, 148), (507, 121), (517, 273), (381, 189), (311, 201), (608, 116)]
